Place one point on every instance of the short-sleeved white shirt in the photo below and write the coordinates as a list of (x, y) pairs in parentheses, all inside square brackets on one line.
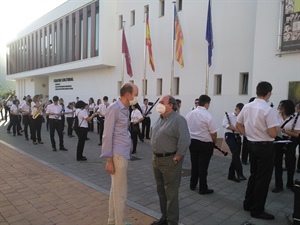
[(257, 117), (201, 124)]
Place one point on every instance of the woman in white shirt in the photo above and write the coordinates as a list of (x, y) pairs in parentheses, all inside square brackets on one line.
[(136, 118), (14, 112), (91, 108), (69, 115), (83, 120)]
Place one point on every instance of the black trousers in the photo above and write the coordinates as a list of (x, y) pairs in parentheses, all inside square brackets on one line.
[(91, 124), (70, 124), (101, 127), (289, 150), (234, 145), (81, 133), (245, 151), (56, 125), (135, 132), (14, 123), (146, 124), (36, 126), (201, 153), (1, 111), (26, 123), (6, 111), (261, 156)]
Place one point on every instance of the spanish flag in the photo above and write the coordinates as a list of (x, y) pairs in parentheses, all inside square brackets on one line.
[(149, 44), (178, 36)]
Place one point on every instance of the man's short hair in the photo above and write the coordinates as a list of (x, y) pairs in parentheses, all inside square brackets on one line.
[(55, 98), (126, 88), (263, 88), (239, 106), (172, 100), (203, 99), (105, 98), (145, 99)]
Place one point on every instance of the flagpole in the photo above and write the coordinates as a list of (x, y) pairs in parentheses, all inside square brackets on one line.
[(173, 52), (145, 57), (207, 79), (123, 56)]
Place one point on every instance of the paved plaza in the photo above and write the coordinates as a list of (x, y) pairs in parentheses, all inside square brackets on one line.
[(42, 187)]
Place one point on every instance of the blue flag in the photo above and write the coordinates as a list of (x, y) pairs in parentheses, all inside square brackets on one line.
[(209, 34)]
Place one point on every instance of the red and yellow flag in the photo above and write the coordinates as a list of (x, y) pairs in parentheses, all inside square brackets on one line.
[(178, 36), (149, 44)]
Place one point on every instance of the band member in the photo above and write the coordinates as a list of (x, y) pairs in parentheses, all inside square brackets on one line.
[(101, 117), (14, 116), (203, 132), (69, 114), (234, 142), (83, 120), (290, 129), (26, 112), (36, 119), (146, 123), (55, 111), (258, 122), (91, 109), (136, 118), (170, 141), (99, 102)]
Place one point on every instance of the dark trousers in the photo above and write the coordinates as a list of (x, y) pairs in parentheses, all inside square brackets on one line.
[(261, 158), (70, 124), (98, 124), (101, 128), (47, 122), (81, 133), (146, 123), (10, 122), (201, 153), (1, 111), (36, 126), (63, 121), (91, 124), (289, 150), (13, 123), (26, 123), (6, 111), (234, 144), (135, 132), (56, 125), (245, 151), (168, 177)]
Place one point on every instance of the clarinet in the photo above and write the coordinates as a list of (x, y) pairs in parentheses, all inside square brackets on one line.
[(236, 135)]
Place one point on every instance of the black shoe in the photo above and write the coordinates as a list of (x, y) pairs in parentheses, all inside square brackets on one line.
[(241, 177), (277, 190), (233, 178), (40, 142), (298, 170), (63, 149), (26, 139), (54, 149), (82, 159), (87, 139), (35, 143), (14, 134), (264, 216), (100, 144), (19, 134), (245, 163), (192, 188), (142, 140), (161, 221), (148, 138), (8, 132), (133, 152), (206, 192)]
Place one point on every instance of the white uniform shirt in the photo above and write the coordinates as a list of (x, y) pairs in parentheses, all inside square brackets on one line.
[(136, 115), (26, 109), (68, 114), (226, 124), (144, 109), (200, 124), (102, 110), (289, 125), (56, 109), (82, 115), (92, 107), (14, 109), (258, 117), (33, 108)]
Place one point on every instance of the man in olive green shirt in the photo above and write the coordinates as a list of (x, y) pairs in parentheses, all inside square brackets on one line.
[(170, 141)]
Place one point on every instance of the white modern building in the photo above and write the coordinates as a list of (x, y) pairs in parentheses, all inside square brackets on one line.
[(76, 50)]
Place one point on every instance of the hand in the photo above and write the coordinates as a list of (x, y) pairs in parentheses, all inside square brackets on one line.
[(109, 167), (176, 158)]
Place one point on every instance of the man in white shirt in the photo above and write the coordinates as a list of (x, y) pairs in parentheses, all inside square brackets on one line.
[(203, 132), (258, 122), (54, 111), (146, 123), (101, 113)]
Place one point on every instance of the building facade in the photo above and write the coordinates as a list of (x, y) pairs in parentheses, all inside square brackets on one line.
[(76, 51)]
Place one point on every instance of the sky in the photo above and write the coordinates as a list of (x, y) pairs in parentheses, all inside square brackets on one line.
[(15, 15)]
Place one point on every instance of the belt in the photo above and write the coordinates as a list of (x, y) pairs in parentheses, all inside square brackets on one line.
[(164, 154), (235, 134), (261, 142)]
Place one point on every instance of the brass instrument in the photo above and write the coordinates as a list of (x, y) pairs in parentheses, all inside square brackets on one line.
[(4, 102), (38, 111)]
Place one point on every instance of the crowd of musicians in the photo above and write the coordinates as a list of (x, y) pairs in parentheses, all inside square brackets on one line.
[(240, 134)]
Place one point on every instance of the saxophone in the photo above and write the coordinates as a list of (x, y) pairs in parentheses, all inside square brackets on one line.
[(38, 111)]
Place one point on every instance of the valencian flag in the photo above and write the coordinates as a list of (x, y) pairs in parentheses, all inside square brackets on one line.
[(178, 36), (149, 44), (127, 55), (209, 34)]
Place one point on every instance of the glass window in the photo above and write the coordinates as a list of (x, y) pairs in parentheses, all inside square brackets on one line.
[(218, 84), (132, 21), (120, 22), (175, 90), (244, 81), (161, 8), (159, 86)]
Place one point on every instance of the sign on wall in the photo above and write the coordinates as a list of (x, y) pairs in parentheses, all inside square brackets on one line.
[(63, 84), (294, 91), (291, 26)]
